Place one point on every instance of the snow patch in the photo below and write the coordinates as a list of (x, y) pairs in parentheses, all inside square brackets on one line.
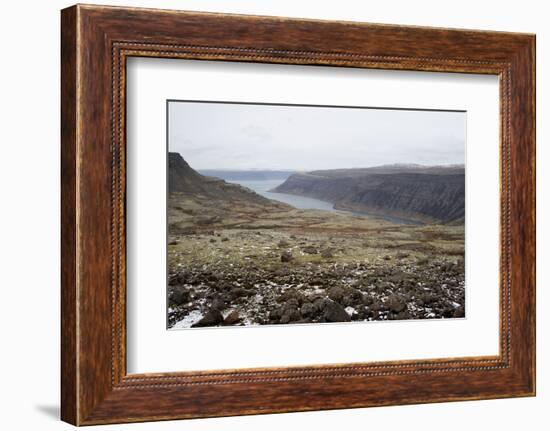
[(192, 318)]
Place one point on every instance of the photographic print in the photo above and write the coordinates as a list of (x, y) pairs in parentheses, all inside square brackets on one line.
[(306, 214)]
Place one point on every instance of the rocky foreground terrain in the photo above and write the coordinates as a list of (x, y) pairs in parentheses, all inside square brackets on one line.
[(236, 258)]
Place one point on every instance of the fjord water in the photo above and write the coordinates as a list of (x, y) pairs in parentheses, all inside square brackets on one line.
[(262, 187)]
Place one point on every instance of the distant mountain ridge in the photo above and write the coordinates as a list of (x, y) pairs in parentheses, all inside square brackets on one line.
[(247, 175), (416, 192), (401, 168)]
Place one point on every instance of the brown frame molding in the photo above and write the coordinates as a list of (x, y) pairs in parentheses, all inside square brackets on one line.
[(95, 43)]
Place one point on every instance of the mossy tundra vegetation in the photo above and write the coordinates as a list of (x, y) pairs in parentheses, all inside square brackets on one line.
[(238, 258)]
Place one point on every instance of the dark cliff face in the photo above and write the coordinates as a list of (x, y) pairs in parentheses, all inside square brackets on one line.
[(417, 193), (182, 178)]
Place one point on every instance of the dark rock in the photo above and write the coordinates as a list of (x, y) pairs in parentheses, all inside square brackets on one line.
[(367, 299), (292, 296), (404, 315), (319, 304), (289, 313), (179, 295), (282, 272), (275, 314), (218, 304), (282, 244), (317, 281), (422, 261), (396, 303), (307, 309), (376, 306), (232, 318), (427, 298), (459, 312), (334, 312), (336, 293), (448, 312), (285, 318), (286, 256), (224, 287), (238, 292), (327, 253), (310, 250), (211, 318), (175, 279)]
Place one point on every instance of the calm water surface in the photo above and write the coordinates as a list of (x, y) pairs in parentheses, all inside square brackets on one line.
[(262, 187)]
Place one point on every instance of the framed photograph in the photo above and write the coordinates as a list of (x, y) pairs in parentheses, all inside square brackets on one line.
[(263, 214)]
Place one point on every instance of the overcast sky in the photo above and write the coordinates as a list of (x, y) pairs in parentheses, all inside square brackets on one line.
[(240, 136)]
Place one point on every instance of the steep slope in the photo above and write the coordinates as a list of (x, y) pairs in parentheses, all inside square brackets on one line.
[(185, 180), (429, 194)]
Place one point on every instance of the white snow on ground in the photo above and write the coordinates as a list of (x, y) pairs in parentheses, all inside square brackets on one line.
[(350, 311), (192, 318)]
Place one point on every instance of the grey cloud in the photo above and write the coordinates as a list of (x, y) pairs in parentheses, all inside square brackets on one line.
[(242, 136)]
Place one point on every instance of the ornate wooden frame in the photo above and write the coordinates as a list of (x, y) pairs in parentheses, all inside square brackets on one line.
[(95, 42)]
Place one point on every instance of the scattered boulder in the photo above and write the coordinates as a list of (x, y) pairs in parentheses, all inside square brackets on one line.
[(310, 250), (422, 261), (211, 318), (327, 253), (285, 318), (336, 293), (448, 312), (179, 295), (290, 314), (274, 314), (319, 304), (282, 244), (218, 304), (459, 312), (334, 312), (232, 318), (292, 296), (427, 298), (238, 292), (176, 279), (307, 309), (377, 305), (396, 303), (317, 281), (286, 256)]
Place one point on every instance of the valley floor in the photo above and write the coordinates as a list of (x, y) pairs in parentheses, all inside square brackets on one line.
[(232, 263)]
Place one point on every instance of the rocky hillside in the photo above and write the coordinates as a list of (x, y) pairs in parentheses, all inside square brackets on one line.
[(415, 192), (183, 179)]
